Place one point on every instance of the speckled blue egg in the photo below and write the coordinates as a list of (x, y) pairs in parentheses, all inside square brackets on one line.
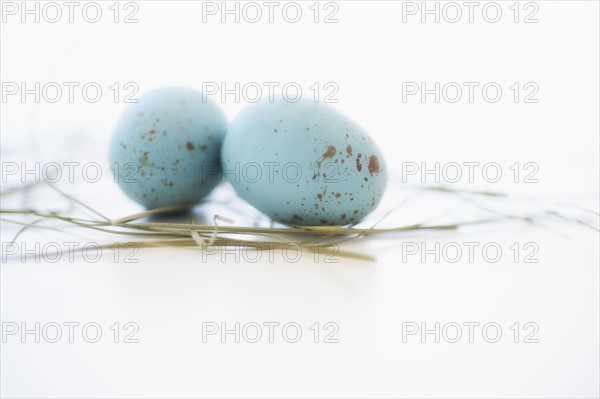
[(165, 149), (303, 163)]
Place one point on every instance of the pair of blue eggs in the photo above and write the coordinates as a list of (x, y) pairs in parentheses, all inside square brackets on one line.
[(300, 163)]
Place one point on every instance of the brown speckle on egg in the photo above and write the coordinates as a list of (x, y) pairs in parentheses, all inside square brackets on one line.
[(330, 152), (373, 164)]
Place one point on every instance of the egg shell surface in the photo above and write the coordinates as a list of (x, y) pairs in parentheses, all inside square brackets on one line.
[(303, 163), (165, 149)]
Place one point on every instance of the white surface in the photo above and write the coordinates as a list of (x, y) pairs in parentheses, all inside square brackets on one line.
[(169, 293)]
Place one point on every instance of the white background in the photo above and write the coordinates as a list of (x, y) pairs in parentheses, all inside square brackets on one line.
[(368, 53)]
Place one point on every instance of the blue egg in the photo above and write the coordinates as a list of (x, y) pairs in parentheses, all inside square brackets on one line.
[(165, 149), (303, 163)]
